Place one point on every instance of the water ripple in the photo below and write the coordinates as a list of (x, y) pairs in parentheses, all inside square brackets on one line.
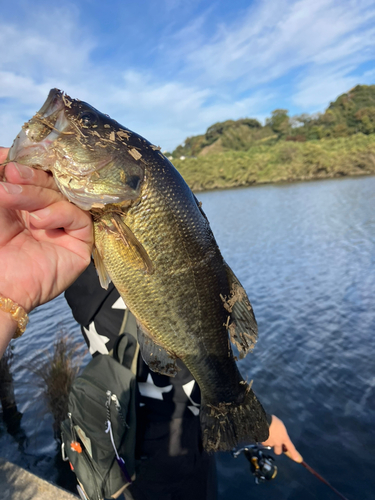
[(306, 256)]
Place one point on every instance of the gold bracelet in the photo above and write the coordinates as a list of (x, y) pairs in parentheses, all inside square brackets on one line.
[(18, 314)]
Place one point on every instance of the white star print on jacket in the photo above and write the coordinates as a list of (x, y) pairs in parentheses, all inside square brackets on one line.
[(97, 343)]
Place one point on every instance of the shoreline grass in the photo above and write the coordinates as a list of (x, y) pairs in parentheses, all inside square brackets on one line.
[(285, 161), (57, 372)]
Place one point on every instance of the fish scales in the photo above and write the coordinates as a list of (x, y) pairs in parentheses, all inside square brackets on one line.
[(179, 304), (155, 243)]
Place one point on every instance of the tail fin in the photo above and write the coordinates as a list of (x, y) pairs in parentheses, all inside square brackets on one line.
[(225, 425)]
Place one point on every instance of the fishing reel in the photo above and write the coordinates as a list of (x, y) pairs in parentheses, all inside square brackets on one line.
[(262, 465)]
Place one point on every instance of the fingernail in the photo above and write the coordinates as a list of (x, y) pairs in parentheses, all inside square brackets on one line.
[(24, 171), (11, 188), (40, 214)]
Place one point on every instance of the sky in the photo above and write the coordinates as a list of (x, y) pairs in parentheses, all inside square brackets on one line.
[(168, 69)]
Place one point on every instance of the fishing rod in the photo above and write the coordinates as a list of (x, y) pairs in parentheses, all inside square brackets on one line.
[(263, 467)]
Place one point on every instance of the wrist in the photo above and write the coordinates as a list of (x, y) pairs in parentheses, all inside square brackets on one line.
[(16, 295), (8, 327), (16, 312)]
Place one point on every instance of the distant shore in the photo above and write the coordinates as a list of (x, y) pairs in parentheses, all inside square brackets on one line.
[(286, 181), (281, 163)]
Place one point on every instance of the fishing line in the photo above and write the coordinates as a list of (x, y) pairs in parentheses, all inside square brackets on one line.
[(314, 473)]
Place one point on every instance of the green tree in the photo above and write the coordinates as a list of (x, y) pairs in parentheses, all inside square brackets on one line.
[(366, 120), (279, 121)]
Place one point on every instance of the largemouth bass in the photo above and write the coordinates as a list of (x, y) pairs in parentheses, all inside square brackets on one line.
[(154, 242)]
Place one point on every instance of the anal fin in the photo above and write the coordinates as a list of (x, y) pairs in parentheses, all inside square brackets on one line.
[(155, 356)]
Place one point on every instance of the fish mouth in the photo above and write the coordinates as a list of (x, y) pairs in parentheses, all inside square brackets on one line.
[(53, 140), (54, 102), (37, 135), (33, 144)]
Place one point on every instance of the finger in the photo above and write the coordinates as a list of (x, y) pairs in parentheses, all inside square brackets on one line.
[(3, 154), (3, 157), (59, 238), (278, 449), (291, 452), (29, 198), (62, 214), (22, 174)]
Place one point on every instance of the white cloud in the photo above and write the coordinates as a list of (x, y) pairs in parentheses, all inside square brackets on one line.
[(317, 90), (169, 112), (16, 86), (278, 36), (43, 46), (10, 124), (197, 78)]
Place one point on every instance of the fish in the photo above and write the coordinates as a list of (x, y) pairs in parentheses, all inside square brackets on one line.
[(154, 242)]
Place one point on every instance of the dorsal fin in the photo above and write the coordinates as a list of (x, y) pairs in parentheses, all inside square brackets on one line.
[(242, 325)]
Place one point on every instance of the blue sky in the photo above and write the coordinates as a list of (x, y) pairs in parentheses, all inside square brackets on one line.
[(168, 69)]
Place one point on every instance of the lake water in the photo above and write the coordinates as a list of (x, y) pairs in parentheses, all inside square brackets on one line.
[(305, 254)]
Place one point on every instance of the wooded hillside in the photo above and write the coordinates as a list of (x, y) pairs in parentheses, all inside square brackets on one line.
[(338, 142), (350, 114)]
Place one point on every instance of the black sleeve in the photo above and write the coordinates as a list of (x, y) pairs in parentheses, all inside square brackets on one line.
[(92, 308), (85, 296)]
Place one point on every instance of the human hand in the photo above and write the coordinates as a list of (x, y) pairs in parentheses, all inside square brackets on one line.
[(280, 440), (45, 241)]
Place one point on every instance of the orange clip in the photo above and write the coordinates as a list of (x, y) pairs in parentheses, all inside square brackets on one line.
[(76, 446)]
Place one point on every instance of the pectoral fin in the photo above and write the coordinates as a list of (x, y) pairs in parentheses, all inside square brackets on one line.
[(155, 356), (140, 257), (242, 326), (100, 269)]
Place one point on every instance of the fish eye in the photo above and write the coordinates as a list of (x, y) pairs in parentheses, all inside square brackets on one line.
[(133, 182), (88, 118)]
